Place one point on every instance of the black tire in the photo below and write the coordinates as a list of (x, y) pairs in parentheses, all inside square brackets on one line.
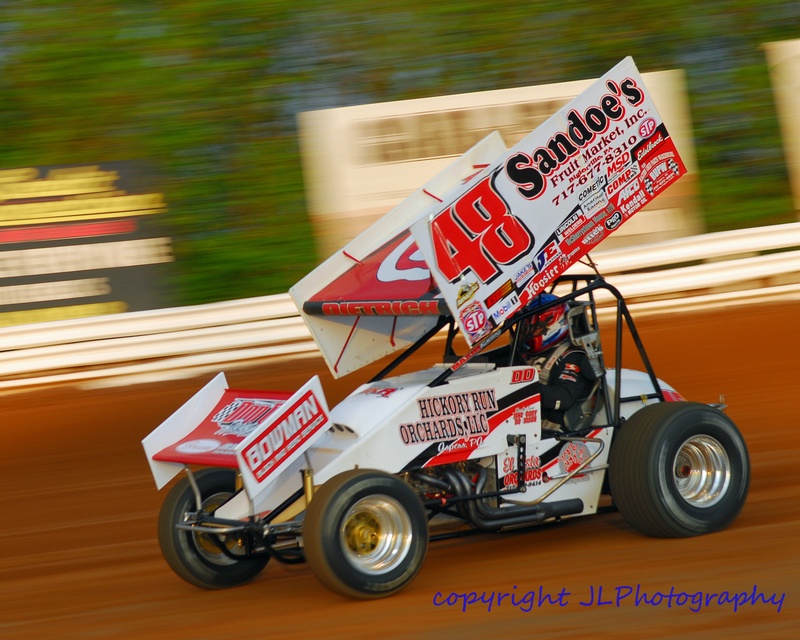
[(679, 469), (196, 557), (365, 534)]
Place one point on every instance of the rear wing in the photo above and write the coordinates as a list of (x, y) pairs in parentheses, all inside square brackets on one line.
[(262, 433), (485, 236)]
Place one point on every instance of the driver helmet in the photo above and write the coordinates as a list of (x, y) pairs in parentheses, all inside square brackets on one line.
[(544, 331)]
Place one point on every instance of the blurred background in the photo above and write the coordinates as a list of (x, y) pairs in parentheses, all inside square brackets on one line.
[(205, 94)]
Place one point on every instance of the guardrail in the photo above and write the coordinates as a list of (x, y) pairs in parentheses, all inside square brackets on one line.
[(693, 273)]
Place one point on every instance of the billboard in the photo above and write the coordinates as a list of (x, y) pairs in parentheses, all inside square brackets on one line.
[(80, 240), (783, 58)]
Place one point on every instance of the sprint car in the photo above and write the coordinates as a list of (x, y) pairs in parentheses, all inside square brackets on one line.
[(360, 489)]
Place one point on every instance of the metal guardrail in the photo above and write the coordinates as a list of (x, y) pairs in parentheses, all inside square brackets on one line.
[(677, 275)]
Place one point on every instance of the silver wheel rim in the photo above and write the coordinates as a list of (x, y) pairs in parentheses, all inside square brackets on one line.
[(376, 534), (702, 471), (205, 544)]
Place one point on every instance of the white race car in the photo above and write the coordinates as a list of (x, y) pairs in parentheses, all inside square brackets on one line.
[(359, 490)]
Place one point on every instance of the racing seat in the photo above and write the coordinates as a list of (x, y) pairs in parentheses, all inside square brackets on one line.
[(581, 414), (584, 334)]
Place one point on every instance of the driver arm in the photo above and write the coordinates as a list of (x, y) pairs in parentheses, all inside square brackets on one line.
[(569, 383)]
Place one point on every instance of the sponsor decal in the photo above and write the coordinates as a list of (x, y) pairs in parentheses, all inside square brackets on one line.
[(519, 376), (451, 416), (634, 204), (529, 171), (592, 231), (642, 152), (647, 128), (597, 201), (533, 471), (593, 189), (474, 319), (524, 274), (622, 179), (582, 231), (508, 305), (594, 236), (660, 175), (570, 223), (204, 445), (659, 160), (498, 294), (629, 190), (241, 416), (572, 456), (383, 392), (547, 255), (298, 423), (466, 292), (382, 308), (613, 221)]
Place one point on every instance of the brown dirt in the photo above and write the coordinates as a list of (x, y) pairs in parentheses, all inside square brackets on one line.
[(80, 557)]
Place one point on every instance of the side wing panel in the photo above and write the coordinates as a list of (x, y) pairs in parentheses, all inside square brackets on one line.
[(376, 295)]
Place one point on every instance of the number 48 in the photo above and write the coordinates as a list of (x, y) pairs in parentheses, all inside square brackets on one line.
[(478, 233)]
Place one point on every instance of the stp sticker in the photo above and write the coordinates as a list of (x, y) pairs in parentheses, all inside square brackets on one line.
[(474, 319), (647, 128)]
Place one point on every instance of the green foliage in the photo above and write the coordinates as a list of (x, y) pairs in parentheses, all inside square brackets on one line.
[(207, 91)]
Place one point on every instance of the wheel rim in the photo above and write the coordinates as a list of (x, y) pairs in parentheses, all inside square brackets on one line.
[(702, 471), (207, 544), (376, 534)]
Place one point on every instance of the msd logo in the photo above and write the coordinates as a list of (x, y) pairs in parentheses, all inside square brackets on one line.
[(294, 425)]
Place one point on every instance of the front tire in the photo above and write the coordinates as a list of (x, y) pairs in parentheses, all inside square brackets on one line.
[(197, 557), (365, 534), (679, 469)]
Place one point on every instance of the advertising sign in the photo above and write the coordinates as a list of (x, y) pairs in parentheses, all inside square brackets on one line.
[(79, 240)]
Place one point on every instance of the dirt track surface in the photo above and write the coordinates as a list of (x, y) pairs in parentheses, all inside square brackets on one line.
[(80, 557)]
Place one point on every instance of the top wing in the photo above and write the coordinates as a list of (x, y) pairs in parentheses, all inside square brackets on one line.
[(542, 205)]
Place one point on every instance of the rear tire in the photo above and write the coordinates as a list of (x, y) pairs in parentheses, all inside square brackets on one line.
[(365, 534), (679, 469), (196, 557)]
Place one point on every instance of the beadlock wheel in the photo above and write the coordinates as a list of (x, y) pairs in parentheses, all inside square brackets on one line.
[(702, 471), (365, 534), (679, 469), (199, 557)]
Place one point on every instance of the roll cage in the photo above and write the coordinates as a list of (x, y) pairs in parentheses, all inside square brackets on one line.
[(579, 291)]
